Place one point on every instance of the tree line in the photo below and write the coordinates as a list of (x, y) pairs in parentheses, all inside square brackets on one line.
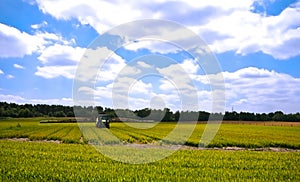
[(44, 110)]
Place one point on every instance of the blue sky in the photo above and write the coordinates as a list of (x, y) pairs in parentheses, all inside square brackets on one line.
[(256, 42)]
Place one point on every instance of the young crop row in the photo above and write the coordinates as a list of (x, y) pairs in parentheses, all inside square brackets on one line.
[(132, 136), (99, 136), (68, 133), (29, 161), (249, 136), (228, 135), (73, 136)]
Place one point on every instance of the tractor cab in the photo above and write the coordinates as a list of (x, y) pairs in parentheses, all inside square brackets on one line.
[(103, 121)]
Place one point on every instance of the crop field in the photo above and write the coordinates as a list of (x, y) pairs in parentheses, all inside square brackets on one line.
[(32, 129), (239, 135), (75, 160)]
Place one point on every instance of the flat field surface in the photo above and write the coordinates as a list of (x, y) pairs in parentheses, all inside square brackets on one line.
[(71, 158), (249, 135), (34, 161)]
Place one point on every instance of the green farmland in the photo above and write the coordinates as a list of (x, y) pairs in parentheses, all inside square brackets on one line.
[(239, 135), (73, 159)]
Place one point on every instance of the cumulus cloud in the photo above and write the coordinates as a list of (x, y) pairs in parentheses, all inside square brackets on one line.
[(123, 83), (58, 54), (153, 46), (246, 32), (1, 72), (15, 43), (59, 60), (260, 90), (179, 74), (125, 93), (9, 76), (56, 71), (143, 64), (224, 25), (52, 38), (21, 100), (140, 87), (99, 14), (38, 26), (111, 69), (18, 66)]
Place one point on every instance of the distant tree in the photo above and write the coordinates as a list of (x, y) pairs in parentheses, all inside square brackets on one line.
[(50, 114), (168, 115), (59, 114), (262, 117), (278, 116), (246, 116), (70, 114), (143, 112), (270, 115), (2, 112), (297, 115), (177, 116), (99, 109), (25, 113), (12, 112), (291, 117), (29, 110), (203, 116), (233, 116)]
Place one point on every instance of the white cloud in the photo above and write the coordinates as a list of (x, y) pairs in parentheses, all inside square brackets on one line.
[(177, 80), (59, 60), (179, 74), (56, 71), (38, 26), (18, 66), (100, 64), (51, 39), (113, 66), (1, 72), (58, 54), (140, 87), (126, 92), (99, 14), (9, 76), (245, 32), (224, 25), (11, 98), (154, 46), (143, 64), (190, 66), (15, 43), (22, 100), (259, 90), (129, 71)]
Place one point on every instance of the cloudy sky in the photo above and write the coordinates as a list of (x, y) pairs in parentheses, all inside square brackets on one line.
[(256, 43)]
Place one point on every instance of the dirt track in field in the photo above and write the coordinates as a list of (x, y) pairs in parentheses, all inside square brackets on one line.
[(171, 147), (28, 140)]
